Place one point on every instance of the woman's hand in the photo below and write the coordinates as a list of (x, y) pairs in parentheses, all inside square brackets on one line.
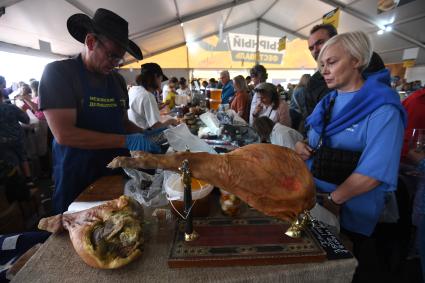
[(304, 150), (257, 110)]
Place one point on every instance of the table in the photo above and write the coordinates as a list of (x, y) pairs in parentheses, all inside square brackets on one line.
[(56, 261)]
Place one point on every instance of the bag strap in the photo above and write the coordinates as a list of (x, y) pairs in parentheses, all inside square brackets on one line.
[(326, 120)]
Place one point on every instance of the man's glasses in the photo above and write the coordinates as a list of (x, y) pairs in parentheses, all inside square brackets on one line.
[(111, 56)]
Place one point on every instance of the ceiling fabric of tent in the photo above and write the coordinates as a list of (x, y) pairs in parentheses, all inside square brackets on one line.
[(232, 52), (211, 29)]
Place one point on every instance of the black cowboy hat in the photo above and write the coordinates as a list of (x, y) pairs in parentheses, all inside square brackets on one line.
[(106, 23)]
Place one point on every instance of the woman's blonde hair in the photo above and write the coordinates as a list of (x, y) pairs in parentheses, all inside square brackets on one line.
[(357, 44)]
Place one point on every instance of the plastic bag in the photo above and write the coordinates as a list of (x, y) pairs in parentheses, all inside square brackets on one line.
[(211, 121), (174, 188), (180, 137), (145, 188), (237, 120)]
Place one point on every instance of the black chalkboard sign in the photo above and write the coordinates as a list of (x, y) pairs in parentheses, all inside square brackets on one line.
[(329, 242)]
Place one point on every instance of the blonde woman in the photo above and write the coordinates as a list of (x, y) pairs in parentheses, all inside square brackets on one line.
[(360, 124)]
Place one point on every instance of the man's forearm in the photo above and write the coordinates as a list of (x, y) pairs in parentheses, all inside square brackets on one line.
[(62, 124), (130, 127), (354, 185), (86, 139)]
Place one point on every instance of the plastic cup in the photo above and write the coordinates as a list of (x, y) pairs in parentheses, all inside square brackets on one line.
[(215, 98)]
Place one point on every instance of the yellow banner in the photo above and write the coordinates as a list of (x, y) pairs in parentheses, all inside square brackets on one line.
[(282, 44), (332, 18), (408, 63), (203, 55)]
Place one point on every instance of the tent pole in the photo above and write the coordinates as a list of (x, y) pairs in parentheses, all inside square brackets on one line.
[(187, 58), (257, 50)]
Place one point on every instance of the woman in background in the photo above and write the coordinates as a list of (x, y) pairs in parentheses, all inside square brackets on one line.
[(144, 111), (42, 130), (241, 102), (270, 105), (297, 105)]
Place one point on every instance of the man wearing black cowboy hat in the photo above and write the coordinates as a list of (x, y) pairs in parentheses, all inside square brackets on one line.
[(85, 103)]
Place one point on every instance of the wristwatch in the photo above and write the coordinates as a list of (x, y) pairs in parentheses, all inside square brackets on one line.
[(331, 200)]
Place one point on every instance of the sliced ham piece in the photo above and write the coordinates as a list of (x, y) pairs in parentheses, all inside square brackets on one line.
[(106, 236), (270, 178)]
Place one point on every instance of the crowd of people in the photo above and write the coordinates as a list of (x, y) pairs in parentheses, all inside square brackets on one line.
[(400, 84), (346, 121), (24, 135)]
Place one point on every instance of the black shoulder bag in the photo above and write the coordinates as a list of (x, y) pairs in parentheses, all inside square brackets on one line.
[(330, 164)]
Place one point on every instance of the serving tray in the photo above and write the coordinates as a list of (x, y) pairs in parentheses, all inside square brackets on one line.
[(242, 241)]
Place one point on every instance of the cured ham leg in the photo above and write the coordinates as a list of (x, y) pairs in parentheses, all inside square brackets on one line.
[(106, 236), (270, 178)]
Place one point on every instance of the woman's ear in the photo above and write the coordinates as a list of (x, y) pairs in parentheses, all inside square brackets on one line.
[(355, 63)]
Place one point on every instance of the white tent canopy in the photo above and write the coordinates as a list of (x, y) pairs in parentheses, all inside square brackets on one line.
[(39, 26)]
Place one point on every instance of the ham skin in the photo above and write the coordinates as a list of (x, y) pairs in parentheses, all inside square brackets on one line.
[(272, 179)]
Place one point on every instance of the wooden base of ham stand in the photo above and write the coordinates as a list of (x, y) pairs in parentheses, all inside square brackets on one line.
[(242, 241)]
